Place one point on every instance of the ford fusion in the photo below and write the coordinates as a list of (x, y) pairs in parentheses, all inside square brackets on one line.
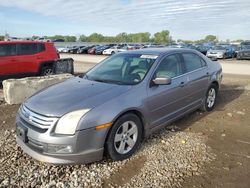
[(111, 108)]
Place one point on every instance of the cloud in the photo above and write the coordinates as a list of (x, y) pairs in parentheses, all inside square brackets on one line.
[(141, 15)]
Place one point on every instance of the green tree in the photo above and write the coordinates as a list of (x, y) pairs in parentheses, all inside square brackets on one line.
[(83, 38), (211, 38), (161, 37), (1, 38), (95, 37)]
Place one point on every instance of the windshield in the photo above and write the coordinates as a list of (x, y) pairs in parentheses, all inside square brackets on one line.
[(219, 48), (245, 47), (127, 69)]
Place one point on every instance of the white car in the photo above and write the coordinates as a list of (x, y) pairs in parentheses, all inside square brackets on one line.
[(114, 50)]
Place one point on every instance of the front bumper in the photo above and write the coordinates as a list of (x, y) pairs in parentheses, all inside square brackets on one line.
[(78, 158), (219, 56), (87, 145)]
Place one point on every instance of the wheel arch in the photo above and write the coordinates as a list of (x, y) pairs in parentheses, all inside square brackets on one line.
[(44, 64), (138, 113)]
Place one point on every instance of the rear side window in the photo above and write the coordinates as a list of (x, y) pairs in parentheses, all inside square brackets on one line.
[(7, 50), (193, 62), (26, 49)]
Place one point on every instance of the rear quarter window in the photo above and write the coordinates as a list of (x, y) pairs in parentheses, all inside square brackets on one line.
[(40, 48), (193, 62)]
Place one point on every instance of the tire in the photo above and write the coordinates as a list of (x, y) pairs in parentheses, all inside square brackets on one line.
[(224, 56), (47, 70), (120, 147), (210, 99)]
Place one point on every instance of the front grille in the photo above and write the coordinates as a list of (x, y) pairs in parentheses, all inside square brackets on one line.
[(37, 120)]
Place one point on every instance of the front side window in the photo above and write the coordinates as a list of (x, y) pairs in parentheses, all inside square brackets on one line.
[(192, 62), (170, 66), (126, 69), (7, 49)]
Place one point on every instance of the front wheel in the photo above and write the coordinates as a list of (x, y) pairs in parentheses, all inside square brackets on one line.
[(124, 137), (210, 99)]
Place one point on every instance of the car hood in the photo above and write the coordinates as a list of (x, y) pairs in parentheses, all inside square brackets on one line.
[(73, 94), (217, 51)]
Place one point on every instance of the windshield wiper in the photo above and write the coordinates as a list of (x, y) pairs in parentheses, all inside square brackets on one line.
[(109, 81)]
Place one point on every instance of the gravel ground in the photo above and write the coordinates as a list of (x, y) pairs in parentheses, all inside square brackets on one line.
[(165, 160)]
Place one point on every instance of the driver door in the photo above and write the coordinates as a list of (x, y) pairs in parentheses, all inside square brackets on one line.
[(166, 102)]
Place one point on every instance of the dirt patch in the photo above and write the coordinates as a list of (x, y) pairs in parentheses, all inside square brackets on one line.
[(125, 174), (7, 116)]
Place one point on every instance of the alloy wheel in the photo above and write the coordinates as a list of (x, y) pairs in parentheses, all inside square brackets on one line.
[(211, 97), (126, 137)]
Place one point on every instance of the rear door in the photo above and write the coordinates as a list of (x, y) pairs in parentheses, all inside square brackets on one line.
[(198, 78), (166, 102), (8, 61), (27, 57)]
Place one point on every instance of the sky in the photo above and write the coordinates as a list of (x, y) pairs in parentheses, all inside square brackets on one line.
[(185, 19)]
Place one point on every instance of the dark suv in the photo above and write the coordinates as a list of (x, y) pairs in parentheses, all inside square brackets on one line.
[(26, 58), (244, 52)]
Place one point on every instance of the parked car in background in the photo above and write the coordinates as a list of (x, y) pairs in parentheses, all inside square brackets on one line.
[(236, 49), (92, 50), (58, 40), (26, 58), (99, 50), (244, 52), (220, 52), (203, 49), (75, 49), (115, 105), (111, 51), (84, 50)]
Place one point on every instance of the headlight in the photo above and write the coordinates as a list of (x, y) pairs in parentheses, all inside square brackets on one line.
[(68, 123)]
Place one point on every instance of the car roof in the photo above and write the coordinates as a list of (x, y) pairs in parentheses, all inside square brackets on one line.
[(158, 51), (22, 42)]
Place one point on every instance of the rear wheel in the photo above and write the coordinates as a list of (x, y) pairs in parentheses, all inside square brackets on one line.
[(47, 70), (124, 137), (211, 98)]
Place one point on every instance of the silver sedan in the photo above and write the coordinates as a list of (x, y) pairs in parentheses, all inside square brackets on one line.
[(116, 104)]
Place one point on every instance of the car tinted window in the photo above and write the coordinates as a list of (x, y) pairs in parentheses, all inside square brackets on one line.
[(193, 62), (7, 49), (27, 49), (40, 48), (170, 66)]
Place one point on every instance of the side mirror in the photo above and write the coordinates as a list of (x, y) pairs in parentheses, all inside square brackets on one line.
[(162, 81)]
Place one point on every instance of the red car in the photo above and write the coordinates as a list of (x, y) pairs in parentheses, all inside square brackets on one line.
[(26, 58), (92, 50)]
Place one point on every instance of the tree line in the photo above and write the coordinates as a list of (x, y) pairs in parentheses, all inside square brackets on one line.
[(162, 37)]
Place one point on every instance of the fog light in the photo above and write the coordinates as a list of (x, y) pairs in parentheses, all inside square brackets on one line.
[(59, 148)]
